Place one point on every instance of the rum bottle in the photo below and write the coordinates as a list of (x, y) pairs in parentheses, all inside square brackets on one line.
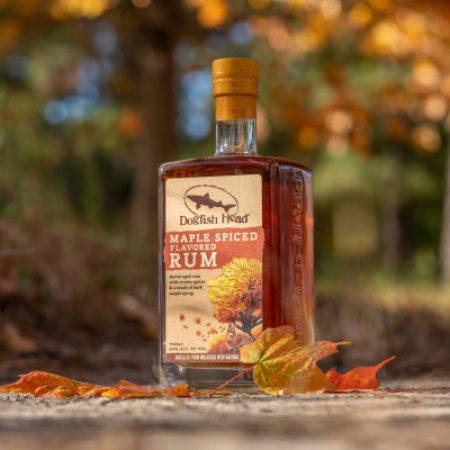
[(237, 244)]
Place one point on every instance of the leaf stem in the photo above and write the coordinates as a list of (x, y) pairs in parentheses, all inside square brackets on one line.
[(229, 381)]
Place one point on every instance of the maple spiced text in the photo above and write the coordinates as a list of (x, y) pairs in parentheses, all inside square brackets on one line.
[(196, 250)]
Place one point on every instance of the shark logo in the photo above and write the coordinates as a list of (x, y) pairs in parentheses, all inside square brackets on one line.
[(210, 196), (209, 202)]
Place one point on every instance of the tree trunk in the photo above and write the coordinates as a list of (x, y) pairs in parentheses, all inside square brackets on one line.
[(247, 327), (154, 52), (445, 230)]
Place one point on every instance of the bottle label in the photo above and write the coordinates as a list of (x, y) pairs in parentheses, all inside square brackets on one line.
[(213, 251)]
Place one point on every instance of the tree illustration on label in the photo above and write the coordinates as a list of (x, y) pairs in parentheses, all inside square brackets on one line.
[(237, 298)]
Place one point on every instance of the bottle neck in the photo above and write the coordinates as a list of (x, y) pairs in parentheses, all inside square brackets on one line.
[(236, 137)]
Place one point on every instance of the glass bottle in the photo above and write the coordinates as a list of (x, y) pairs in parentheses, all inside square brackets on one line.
[(236, 231)]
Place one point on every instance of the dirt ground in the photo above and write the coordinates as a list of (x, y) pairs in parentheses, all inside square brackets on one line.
[(418, 418)]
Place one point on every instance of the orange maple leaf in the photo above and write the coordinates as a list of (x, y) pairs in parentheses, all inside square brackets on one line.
[(359, 378), (182, 317), (198, 333), (281, 366), (213, 330), (198, 320), (208, 324), (43, 384), (127, 389), (185, 326)]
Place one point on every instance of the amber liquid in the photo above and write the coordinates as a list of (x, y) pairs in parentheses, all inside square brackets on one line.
[(288, 277)]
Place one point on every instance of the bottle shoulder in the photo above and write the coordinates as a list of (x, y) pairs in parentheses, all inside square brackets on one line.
[(227, 163)]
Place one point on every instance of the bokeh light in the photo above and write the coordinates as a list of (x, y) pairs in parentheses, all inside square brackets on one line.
[(79, 8), (427, 137), (212, 13)]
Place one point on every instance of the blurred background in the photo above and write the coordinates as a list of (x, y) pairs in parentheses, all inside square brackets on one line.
[(96, 94)]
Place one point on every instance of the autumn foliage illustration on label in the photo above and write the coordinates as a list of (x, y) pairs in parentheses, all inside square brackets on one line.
[(213, 248)]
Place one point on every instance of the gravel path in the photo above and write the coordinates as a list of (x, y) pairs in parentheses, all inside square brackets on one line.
[(417, 419)]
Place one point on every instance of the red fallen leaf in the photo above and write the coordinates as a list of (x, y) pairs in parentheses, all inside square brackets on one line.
[(41, 391), (359, 378), (127, 389), (116, 392), (281, 366), (129, 384), (95, 392), (31, 381), (85, 388), (44, 384), (182, 317), (63, 392)]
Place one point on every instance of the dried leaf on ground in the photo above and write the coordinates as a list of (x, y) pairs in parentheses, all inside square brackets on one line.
[(359, 378), (29, 383), (43, 384), (96, 391), (282, 366)]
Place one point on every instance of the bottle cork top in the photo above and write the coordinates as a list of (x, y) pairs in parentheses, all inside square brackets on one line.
[(235, 76)]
